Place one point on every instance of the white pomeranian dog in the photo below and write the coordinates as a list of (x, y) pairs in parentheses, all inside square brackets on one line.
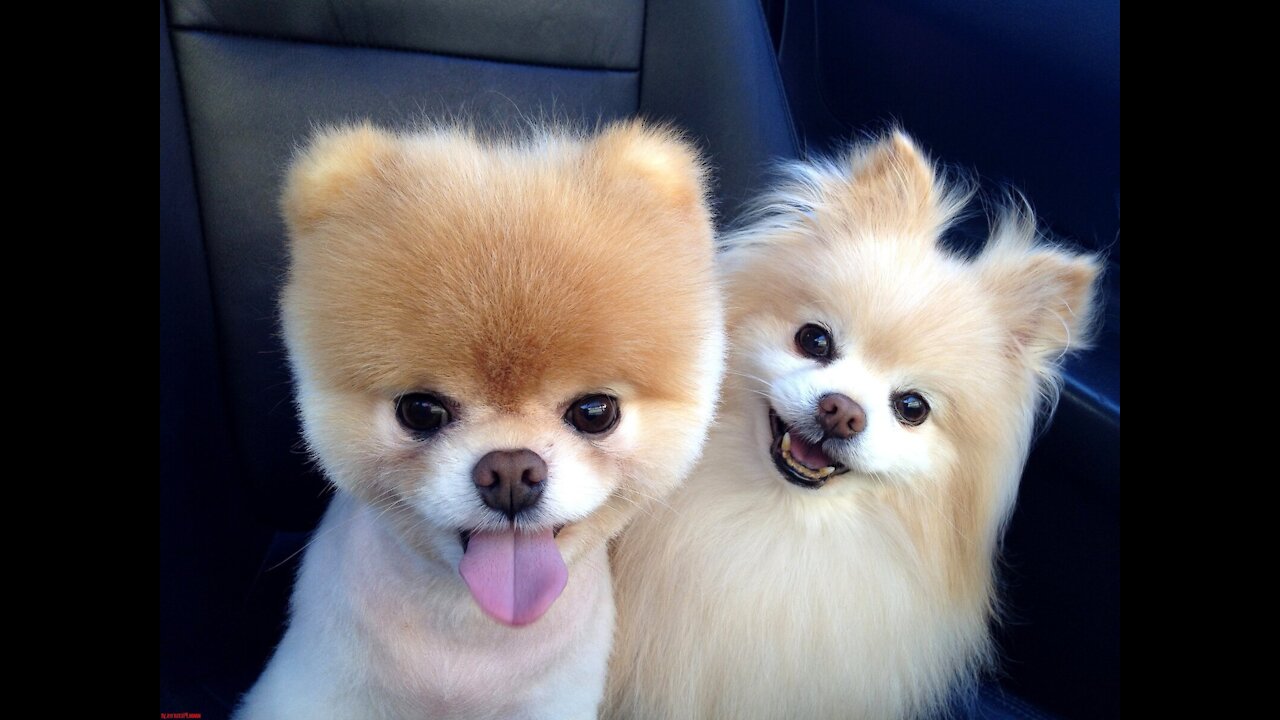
[(832, 554)]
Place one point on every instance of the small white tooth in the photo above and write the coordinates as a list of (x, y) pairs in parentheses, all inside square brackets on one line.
[(826, 471), (786, 442)]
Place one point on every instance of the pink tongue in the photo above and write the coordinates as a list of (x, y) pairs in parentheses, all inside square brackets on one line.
[(808, 453), (514, 577)]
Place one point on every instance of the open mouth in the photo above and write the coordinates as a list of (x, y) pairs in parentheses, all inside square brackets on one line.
[(801, 462), (465, 536)]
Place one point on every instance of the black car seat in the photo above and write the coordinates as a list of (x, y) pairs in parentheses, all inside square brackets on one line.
[(241, 84)]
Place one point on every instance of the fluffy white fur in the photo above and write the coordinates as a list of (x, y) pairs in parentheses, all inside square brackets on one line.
[(746, 596), (377, 632)]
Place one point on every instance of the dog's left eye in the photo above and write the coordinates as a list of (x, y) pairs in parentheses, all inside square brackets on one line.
[(421, 412), (910, 407), (593, 414), (814, 341)]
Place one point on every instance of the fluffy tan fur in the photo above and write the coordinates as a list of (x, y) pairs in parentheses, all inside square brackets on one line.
[(748, 597), (506, 277), (393, 233), (510, 278)]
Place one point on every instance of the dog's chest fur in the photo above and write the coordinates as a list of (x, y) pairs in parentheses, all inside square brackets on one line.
[(775, 603), (376, 633)]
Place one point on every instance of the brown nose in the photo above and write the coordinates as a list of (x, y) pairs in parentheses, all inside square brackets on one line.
[(510, 480), (840, 416)]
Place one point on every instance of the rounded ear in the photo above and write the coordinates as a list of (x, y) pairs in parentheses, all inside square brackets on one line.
[(1044, 294), (654, 159), (325, 172)]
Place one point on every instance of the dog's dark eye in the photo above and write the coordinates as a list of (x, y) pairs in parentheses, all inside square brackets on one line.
[(593, 414), (910, 407), (814, 341), (421, 413)]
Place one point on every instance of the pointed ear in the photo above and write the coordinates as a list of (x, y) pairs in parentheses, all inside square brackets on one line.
[(654, 159), (1045, 295), (325, 172), (894, 187)]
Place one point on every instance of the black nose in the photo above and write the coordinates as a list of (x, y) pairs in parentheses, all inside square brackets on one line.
[(510, 480), (840, 416)]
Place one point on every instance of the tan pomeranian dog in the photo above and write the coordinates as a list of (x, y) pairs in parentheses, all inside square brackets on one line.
[(831, 555), (501, 349)]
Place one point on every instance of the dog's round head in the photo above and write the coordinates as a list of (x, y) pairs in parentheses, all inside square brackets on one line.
[(867, 359), (502, 340)]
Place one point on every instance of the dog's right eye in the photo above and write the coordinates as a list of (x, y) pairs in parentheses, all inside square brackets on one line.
[(910, 407), (815, 341), (593, 414), (421, 412)]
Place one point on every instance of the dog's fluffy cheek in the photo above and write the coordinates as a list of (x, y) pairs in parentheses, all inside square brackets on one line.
[(441, 480), (580, 482), (350, 438), (764, 355), (662, 446), (586, 472), (889, 450)]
